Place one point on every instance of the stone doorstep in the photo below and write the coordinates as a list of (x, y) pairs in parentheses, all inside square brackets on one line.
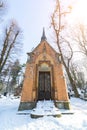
[(62, 112), (45, 113), (45, 110), (39, 116)]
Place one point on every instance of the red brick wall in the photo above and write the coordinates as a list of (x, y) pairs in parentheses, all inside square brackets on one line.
[(30, 86)]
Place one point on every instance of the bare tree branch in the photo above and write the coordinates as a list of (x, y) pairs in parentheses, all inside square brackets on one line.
[(10, 42), (57, 27)]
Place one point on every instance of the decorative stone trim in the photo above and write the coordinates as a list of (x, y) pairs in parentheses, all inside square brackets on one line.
[(62, 104), (26, 106)]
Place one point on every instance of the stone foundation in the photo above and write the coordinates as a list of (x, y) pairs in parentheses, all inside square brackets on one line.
[(26, 106), (62, 104)]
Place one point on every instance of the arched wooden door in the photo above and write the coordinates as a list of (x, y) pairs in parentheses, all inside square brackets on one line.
[(44, 86)]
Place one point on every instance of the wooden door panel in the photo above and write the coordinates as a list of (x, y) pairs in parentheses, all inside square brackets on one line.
[(44, 89), (41, 87), (47, 86)]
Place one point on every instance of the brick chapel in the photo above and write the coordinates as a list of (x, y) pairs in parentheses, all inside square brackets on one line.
[(44, 78)]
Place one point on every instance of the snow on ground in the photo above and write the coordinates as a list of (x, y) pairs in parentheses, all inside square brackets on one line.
[(11, 120)]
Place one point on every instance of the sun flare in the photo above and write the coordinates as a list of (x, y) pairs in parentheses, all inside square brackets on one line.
[(79, 11)]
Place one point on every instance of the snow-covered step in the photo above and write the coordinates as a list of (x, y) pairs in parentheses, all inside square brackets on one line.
[(45, 108), (45, 104)]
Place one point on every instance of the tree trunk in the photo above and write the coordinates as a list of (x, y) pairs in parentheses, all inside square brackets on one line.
[(67, 70), (57, 29)]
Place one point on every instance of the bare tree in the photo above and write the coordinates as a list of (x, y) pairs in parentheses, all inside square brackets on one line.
[(58, 26), (80, 37), (10, 44)]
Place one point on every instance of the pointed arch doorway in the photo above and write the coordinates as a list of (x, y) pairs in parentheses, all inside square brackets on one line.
[(44, 82)]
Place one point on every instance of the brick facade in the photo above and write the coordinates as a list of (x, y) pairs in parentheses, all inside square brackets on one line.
[(44, 59)]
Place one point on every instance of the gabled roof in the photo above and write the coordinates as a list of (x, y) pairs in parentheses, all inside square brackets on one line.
[(44, 39), (46, 43)]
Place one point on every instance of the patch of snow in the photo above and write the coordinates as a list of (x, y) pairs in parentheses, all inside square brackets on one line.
[(11, 120)]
